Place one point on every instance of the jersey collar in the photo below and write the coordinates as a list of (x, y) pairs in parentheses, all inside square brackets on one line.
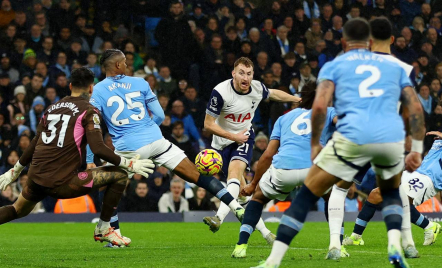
[(380, 53), (117, 77), (240, 93)]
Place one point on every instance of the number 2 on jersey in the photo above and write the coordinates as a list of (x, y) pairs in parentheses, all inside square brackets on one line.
[(301, 119), (364, 92), (130, 105), (54, 119)]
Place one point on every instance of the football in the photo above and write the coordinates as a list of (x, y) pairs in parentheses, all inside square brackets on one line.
[(209, 162)]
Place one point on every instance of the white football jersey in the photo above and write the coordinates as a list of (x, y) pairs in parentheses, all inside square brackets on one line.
[(234, 111)]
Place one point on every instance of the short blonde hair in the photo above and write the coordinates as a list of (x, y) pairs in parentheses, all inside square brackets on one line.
[(244, 61)]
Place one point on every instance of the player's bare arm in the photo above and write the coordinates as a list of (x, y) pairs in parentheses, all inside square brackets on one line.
[(417, 128), (214, 128), (281, 96), (319, 113), (264, 163)]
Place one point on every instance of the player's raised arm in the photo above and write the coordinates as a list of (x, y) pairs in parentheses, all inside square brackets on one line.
[(319, 113), (417, 128), (281, 96)]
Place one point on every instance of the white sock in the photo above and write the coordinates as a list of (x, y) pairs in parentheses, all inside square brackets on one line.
[(261, 227), (336, 205), (430, 224), (394, 238), (278, 251), (103, 225), (407, 237), (233, 188)]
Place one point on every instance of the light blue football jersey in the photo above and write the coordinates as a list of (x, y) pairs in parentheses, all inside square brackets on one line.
[(124, 102), (294, 132), (432, 165), (367, 90)]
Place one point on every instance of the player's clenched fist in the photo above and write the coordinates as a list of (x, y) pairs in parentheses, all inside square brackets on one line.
[(136, 165), (10, 176), (413, 161), (241, 137)]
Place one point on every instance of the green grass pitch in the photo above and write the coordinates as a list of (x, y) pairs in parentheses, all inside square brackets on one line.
[(159, 245)]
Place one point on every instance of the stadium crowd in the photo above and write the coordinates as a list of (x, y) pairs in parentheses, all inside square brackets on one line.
[(191, 50)]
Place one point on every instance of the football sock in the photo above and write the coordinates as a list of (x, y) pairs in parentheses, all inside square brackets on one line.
[(261, 227), (233, 188), (111, 198), (103, 225), (336, 215), (407, 237), (251, 218), (364, 216), (392, 213), (7, 214), (216, 188), (418, 219), (291, 223), (114, 222)]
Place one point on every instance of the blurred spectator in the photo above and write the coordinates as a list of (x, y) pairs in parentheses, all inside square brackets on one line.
[(29, 61), (18, 104), (166, 127), (36, 39), (200, 200), (241, 27), (36, 112), (173, 201), (75, 52), (290, 68), (64, 39), (7, 14), (311, 9), (198, 16), (42, 21), (34, 89), (232, 42), (246, 50), (225, 18), (140, 200), (150, 68), (261, 66), (42, 69), (61, 66), (91, 41), (62, 86), (409, 10), (167, 85), (268, 31), (92, 64), (164, 99), (51, 96), (282, 45), (175, 41), (402, 52), (11, 159), (179, 114), (182, 140), (6, 86), (261, 143), (313, 34), (326, 17), (62, 16), (428, 103), (129, 46), (24, 140), (306, 75), (7, 38), (153, 83), (21, 22), (194, 106), (301, 22), (5, 67), (277, 74)]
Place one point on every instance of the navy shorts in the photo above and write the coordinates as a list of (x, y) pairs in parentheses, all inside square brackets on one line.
[(235, 151)]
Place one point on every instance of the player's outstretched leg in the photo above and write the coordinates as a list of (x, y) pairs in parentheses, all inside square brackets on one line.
[(251, 218), (187, 171), (410, 250), (115, 180), (431, 229), (21, 208), (317, 182), (392, 213), (335, 208), (365, 215)]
